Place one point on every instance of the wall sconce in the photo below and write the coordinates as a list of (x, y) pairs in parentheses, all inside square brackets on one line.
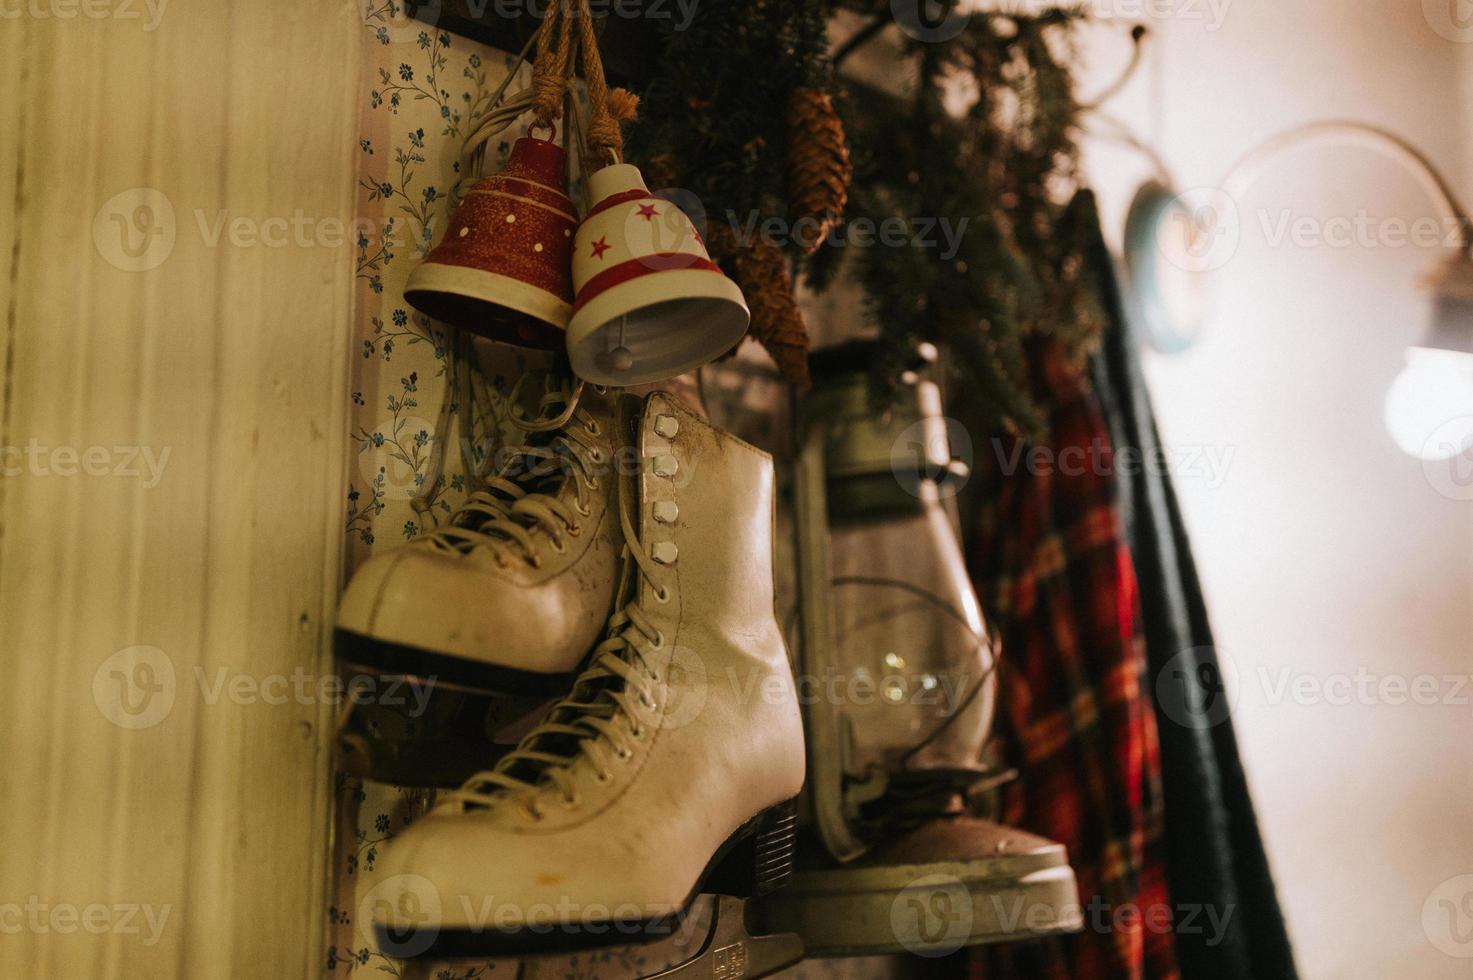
[(1429, 407)]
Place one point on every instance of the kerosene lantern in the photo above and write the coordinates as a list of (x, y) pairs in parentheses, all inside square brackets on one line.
[(896, 675)]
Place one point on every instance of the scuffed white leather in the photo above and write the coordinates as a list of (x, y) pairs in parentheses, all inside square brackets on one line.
[(536, 619), (722, 742)]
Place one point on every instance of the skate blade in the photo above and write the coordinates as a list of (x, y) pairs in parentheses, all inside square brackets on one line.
[(727, 948), (370, 655)]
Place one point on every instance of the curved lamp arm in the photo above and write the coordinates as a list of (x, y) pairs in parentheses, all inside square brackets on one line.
[(1158, 198), (1249, 167)]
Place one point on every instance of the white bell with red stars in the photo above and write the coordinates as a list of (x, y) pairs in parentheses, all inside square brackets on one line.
[(650, 304)]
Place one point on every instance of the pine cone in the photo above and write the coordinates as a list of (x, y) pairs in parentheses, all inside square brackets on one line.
[(818, 166), (761, 270)]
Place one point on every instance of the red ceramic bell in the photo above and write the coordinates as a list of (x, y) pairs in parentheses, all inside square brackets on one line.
[(503, 268)]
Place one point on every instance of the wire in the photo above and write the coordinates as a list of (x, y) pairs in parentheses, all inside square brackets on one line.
[(1138, 34), (1241, 175), (1119, 132), (985, 638)]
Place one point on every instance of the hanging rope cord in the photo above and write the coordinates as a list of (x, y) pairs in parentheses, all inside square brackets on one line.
[(553, 66), (570, 25), (558, 51)]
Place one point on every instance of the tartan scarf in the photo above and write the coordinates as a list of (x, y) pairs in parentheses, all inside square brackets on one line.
[(1049, 560)]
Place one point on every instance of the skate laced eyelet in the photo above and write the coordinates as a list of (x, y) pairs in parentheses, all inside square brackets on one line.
[(569, 802), (575, 529), (658, 643), (560, 546), (593, 428), (529, 810), (624, 754), (596, 455), (582, 509), (603, 777), (662, 594), (535, 561)]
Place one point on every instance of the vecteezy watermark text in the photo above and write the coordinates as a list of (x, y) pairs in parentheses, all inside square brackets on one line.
[(938, 21), (407, 910), (1359, 230), (894, 232), (128, 462), (149, 12), (934, 914), (95, 918), (137, 688), (137, 229), (679, 13), (1209, 463)]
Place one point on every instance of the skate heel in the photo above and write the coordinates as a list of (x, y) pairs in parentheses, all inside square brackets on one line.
[(760, 860)]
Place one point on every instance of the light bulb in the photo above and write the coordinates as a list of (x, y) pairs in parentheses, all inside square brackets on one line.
[(1429, 407)]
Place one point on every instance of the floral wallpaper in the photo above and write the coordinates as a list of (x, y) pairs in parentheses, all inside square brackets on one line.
[(406, 187), (427, 403), (423, 91)]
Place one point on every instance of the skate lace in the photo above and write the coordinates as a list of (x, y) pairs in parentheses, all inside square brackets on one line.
[(585, 724), (523, 497)]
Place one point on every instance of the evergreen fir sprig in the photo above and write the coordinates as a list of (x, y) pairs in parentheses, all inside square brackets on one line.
[(713, 123), (1002, 166)]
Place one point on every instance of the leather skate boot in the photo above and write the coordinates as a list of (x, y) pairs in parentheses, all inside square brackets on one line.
[(670, 768), (503, 601)]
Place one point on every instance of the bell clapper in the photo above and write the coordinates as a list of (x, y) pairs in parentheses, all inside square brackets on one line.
[(621, 358)]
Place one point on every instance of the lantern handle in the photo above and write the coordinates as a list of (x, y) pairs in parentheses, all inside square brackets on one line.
[(822, 724)]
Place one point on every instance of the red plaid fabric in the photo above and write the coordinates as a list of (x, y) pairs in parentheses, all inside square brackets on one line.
[(1050, 563)]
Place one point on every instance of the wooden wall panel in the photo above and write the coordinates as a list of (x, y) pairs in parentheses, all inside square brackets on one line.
[(227, 361)]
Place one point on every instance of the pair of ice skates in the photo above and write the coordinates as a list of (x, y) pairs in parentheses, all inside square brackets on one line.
[(620, 562)]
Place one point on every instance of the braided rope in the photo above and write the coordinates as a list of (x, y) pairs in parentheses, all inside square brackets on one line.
[(608, 108), (560, 51), (553, 66)]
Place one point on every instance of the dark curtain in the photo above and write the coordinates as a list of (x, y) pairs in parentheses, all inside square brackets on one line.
[(1214, 854)]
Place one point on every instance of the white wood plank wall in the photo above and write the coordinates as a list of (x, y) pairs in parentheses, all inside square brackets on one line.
[(192, 846)]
